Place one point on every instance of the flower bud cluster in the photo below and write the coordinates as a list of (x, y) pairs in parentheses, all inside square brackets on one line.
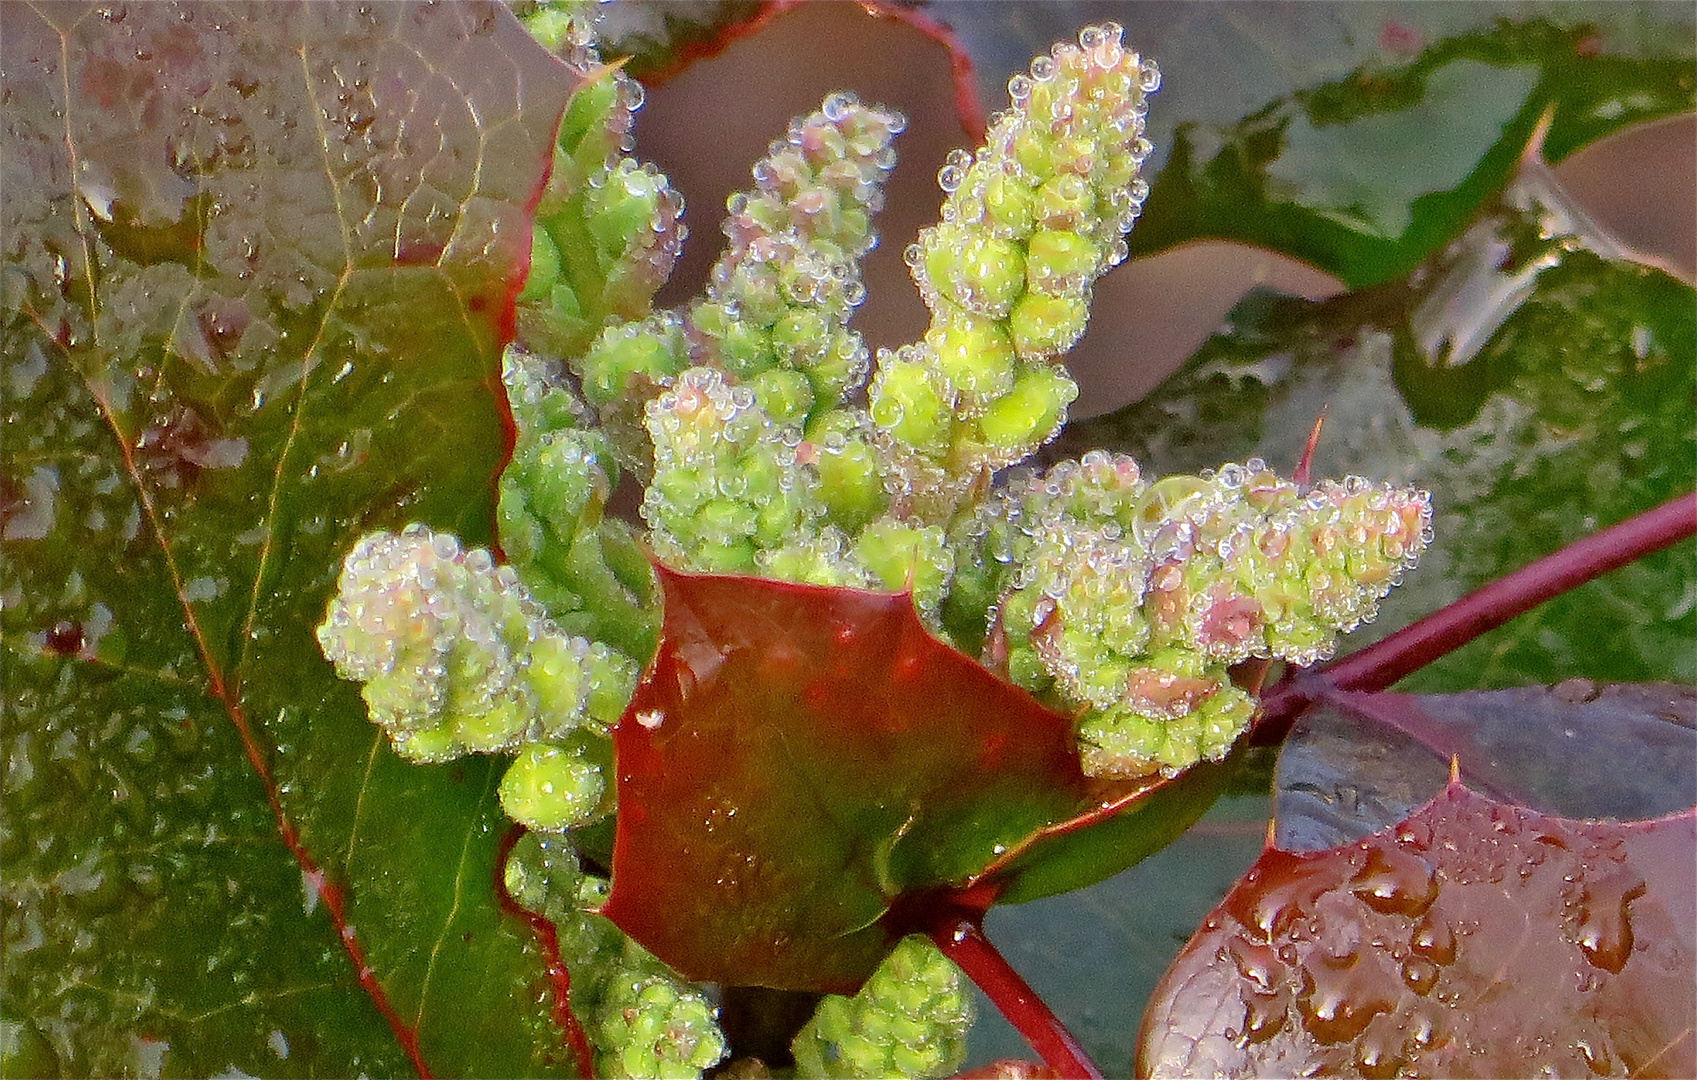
[(1030, 221), (456, 657), (733, 492), (781, 295), (616, 222), (641, 1019), (909, 1019), (1132, 599), (726, 480), (1121, 599), (587, 571)]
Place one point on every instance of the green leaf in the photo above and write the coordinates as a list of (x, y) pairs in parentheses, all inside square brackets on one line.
[(260, 266)]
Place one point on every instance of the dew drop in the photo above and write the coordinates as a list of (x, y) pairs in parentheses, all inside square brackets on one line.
[(1396, 882), (1263, 1016), (1420, 974), (1434, 940), (1604, 933), (1340, 996), (1256, 962)]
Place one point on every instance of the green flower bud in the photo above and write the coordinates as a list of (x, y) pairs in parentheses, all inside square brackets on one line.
[(1032, 411), (909, 400), (851, 484), (910, 557), (1064, 202), (909, 1019), (553, 787), (1061, 263), (977, 357), (784, 393), (543, 874), (802, 337), (1008, 202), (651, 350), (1045, 325), (982, 274)]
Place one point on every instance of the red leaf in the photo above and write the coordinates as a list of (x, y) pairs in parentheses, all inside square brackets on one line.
[(1473, 939), (797, 759)]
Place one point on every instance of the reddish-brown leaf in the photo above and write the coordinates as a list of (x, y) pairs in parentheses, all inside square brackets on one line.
[(1472, 939), (797, 759)]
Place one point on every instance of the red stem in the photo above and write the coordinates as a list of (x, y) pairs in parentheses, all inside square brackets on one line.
[(959, 933), (548, 941), (1447, 629)]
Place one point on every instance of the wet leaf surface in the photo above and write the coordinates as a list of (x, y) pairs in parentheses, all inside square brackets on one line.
[(259, 269), (1361, 762), (1472, 939), (798, 759)]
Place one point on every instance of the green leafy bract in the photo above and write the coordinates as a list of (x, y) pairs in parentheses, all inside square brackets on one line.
[(260, 262)]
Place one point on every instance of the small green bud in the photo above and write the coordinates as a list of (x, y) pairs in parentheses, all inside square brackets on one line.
[(1044, 325), (908, 402), (1061, 262), (1008, 202), (1064, 202), (905, 556), (784, 393), (745, 348), (554, 787), (624, 205), (557, 675), (653, 349), (1031, 411), (802, 337), (976, 355), (850, 483), (979, 273)]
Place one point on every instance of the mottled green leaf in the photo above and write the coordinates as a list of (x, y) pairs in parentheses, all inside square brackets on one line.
[(259, 267)]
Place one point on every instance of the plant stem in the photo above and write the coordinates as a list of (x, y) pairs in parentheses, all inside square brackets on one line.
[(548, 942), (1414, 646), (959, 933)]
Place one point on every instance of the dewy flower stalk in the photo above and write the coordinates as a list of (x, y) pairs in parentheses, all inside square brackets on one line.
[(1120, 599)]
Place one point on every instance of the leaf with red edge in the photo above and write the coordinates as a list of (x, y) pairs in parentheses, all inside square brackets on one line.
[(798, 760), (1472, 939), (259, 268), (1356, 762)]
